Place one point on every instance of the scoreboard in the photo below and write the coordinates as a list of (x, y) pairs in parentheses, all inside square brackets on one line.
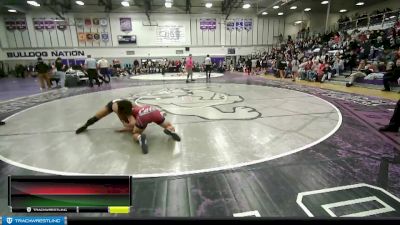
[(69, 194)]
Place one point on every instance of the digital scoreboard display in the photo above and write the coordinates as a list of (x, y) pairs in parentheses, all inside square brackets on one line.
[(64, 194)]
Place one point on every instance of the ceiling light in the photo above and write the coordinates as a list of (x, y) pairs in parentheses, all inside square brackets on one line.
[(264, 13), (246, 6), (208, 5), (293, 7), (360, 3), (298, 22), (324, 2), (79, 3), (343, 10), (280, 13), (276, 7), (33, 3), (12, 10), (168, 3), (125, 3), (307, 9)]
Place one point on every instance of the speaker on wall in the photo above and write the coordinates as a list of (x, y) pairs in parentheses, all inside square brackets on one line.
[(187, 49)]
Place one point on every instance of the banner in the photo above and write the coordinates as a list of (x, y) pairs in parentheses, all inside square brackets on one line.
[(89, 36), (62, 25), (239, 24), (103, 22), (230, 25), (125, 24), (20, 24), (105, 37), (38, 23), (88, 22), (10, 25), (96, 36), (81, 36), (248, 24), (96, 21), (79, 22), (49, 24), (170, 34), (208, 24)]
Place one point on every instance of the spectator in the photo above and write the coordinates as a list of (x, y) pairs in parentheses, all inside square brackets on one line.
[(392, 74), (189, 68), (43, 74), (60, 73), (103, 65)]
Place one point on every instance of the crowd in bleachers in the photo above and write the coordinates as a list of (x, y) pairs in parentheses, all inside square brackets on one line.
[(360, 54)]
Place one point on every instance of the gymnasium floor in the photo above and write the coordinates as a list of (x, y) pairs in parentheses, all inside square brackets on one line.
[(250, 146)]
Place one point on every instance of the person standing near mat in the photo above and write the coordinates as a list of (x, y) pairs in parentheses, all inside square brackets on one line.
[(208, 64), (61, 68), (189, 68), (394, 123), (91, 68), (135, 119)]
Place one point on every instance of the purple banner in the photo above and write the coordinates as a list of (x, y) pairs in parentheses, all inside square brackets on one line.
[(230, 25), (125, 24), (11, 25), (208, 24), (104, 37), (239, 24), (38, 24), (103, 22), (21, 24), (248, 24), (49, 24)]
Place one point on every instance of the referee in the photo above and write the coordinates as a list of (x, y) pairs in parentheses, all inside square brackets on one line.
[(208, 63)]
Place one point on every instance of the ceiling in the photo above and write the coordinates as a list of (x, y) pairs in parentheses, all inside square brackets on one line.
[(225, 7)]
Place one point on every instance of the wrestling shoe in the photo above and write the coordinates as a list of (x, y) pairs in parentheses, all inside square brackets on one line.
[(143, 144), (174, 135), (2, 123), (80, 129)]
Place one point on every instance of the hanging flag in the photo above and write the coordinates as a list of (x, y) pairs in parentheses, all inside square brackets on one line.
[(96, 36), (62, 24), (125, 24), (104, 37), (81, 36), (79, 22), (21, 24), (239, 24), (248, 24), (10, 25), (230, 25), (89, 36), (96, 21), (38, 23), (88, 22), (49, 24), (103, 22)]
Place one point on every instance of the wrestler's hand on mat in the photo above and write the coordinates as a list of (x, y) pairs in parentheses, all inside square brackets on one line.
[(125, 129)]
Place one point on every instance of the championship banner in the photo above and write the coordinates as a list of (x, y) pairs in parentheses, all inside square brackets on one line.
[(230, 25), (79, 22), (208, 24), (170, 34), (248, 24), (38, 23), (11, 25), (81, 36), (96, 36), (96, 21), (49, 24), (88, 22), (21, 24), (103, 22), (89, 36), (62, 25), (239, 24), (125, 24), (105, 37)]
